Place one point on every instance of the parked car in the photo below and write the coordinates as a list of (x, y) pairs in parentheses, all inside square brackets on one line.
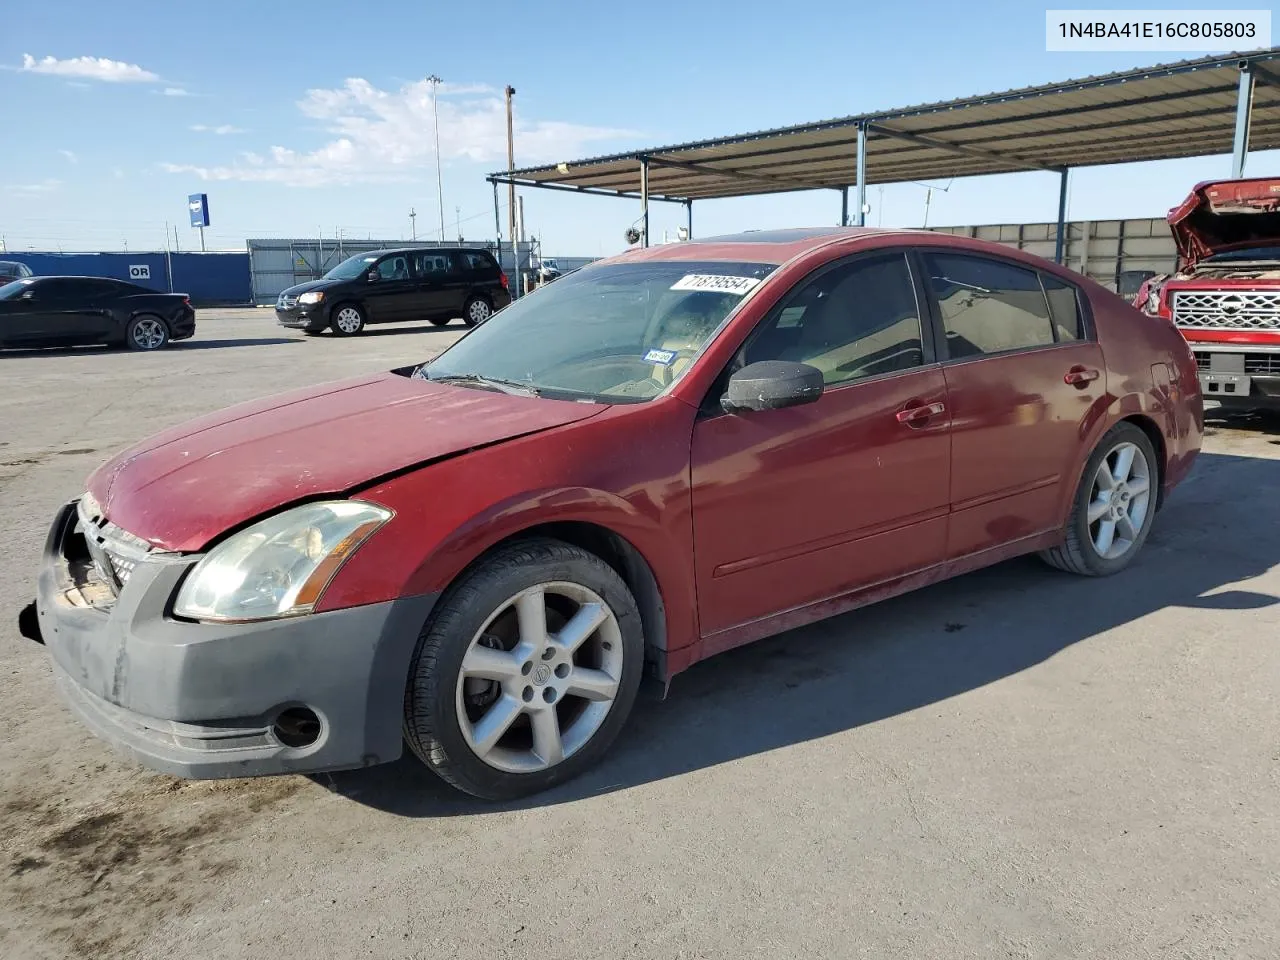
[(13, 270), (482, 553), (65, 311), (548, 270), (435, 284), (1225, 294)]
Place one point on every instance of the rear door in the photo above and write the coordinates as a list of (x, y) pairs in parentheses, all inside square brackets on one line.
[(436, 278), (1023, 372)]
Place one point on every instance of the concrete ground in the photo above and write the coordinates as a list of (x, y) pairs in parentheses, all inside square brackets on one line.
[(1017, 763)]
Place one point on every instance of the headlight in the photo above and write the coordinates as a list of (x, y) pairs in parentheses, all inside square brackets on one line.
[(1153, 300), (279, 566), (315, 296)]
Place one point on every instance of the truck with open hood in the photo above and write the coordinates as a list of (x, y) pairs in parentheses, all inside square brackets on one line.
[(1225, 293)]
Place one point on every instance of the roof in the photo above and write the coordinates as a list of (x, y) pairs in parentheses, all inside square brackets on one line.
[(1182, 109)]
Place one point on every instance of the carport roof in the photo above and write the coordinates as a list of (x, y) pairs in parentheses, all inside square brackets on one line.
[(1182, 109)]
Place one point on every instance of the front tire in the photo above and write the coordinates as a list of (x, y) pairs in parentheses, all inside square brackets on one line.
[(1114, 506), (439, 321), (347, 320), (525, 672), (146, 332), (477, 310)]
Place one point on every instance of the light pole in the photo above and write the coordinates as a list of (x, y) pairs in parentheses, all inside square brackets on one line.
[(435, 113), (413, 224)]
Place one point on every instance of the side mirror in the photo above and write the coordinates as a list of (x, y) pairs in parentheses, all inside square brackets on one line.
[(373, 276), (771, 385)]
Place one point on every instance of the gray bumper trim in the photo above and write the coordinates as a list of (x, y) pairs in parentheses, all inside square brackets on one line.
[(198, 699)]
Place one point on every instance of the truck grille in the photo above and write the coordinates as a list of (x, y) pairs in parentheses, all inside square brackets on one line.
[(1227, 309), (115, 552), (286, 303), (1262, 363)]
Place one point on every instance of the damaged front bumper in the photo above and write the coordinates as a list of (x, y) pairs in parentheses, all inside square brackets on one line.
[(206, 700)]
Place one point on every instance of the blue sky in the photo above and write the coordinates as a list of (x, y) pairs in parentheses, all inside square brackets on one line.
[(305, 118)]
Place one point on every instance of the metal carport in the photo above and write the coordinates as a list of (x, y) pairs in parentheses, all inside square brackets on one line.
[(1185, 109)]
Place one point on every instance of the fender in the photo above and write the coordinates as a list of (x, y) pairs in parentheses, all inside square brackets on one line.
[(449, 513)]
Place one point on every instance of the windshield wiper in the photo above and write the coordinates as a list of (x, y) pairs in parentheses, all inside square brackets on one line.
[(513, 387)]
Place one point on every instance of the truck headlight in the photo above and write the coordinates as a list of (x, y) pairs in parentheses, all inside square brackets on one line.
[(279, 566), (1153, 300), (314, 296)]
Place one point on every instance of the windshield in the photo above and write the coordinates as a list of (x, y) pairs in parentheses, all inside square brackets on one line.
[(616, 333), (11, 290), (352, 267), (1269, 251), (11, 268)]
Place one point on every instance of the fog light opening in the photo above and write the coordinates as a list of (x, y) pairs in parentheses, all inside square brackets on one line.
[(297, 727)]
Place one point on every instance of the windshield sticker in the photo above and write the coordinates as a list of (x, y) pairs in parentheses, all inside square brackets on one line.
[(738, 286), (663, 357)]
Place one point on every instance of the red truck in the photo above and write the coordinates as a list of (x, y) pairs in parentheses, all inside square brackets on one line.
[(1225, 295)]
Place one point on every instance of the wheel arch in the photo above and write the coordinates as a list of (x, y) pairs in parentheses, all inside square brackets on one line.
[(623, 557), (1154, 434)]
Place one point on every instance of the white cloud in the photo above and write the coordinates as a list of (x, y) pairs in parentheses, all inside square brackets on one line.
[(221, 130), (89, 68), (384, 135), (175, 92), (32, 189), (70, 155)]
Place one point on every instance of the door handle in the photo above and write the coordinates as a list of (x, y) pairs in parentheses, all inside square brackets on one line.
[(1080, 376), (922, 412)]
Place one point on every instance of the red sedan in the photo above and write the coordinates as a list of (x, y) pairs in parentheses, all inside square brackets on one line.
[(652, 460)]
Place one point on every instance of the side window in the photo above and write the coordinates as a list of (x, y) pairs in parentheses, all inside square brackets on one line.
[(394, 268), (1064, 305), (988, 306), (857, 320), (430, 266), (480, 262), (57, 290)]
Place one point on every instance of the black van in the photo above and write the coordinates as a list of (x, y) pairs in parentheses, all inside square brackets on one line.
[(395, 286)]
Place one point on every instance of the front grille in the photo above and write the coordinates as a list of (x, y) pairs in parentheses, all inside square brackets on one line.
[(286, 303), (115, 552), (1262, 363), (1227, 309)]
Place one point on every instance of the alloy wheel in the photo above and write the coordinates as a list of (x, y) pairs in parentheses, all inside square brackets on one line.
[(1119, 501), (540, 677), (479, 311)]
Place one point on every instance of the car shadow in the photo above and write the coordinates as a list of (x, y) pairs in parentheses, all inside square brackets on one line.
[(390, 330), (97, 349), (1256, 421), (903, 654)]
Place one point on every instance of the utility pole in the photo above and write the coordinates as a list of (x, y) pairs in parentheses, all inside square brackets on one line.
[(457, 213), (435, 112), (413, 223), (511, 192)]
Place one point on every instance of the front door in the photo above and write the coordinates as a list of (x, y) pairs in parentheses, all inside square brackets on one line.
[(1022, 377), (795, 506), (391, 296)]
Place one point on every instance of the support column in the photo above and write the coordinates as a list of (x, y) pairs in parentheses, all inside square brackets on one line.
[(844, 206), (1244, 117), (1060, 245), (860, 216), (644, 200), (688, 209), (497, 222)]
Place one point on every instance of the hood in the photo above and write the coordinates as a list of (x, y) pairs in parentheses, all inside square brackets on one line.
[(321, 284), (185, 486), (1226, 215)]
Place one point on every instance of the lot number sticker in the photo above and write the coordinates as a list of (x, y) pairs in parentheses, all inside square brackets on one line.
[(139, 271), (738, 286)]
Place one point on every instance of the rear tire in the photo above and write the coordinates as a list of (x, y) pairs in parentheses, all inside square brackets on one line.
[(477, 310), (505, 697), (1114, 506), (146, 332), (347, 320)]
